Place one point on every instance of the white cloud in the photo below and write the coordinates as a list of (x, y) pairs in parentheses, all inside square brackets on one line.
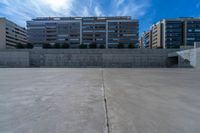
[(119, 2), (85, 12), (132, 8), (4, 2), (22, 10), (90, 3), (98, 11), (57, 5)]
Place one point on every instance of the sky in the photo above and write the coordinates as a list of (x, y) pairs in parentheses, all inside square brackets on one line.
[(147, 11)]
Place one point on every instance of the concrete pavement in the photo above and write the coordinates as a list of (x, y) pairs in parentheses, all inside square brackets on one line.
[(41, 100), (51, 101), (153, 100)]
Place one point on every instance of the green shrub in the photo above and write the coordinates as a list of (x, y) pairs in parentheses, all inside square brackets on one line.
[(46, 46), (65, 45), (102, 46), (29, 46), (57, 46), (83, 46), (93, 45), (120, 45), (20, 46), (131, 46)]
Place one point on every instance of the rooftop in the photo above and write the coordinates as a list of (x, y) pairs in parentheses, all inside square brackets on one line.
[(75, 18)]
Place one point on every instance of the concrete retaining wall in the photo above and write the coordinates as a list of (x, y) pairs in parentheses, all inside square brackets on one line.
[(86, 58), (189, 58), (14, 59)]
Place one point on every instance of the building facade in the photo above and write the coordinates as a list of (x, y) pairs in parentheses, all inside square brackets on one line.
[(175, 33), (11, 34), (107, 31), (156, 37), (141, 42), (146, 40)]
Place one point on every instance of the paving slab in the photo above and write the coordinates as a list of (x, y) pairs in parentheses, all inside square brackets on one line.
[(153, 100), (51, 101)]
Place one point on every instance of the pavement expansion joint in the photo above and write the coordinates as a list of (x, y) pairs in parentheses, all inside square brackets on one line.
[(105, 103)]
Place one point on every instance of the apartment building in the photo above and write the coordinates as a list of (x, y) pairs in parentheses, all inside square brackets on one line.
[(192, 31), (11, 34), (107, 31), (175, 33), (146, 41), (156, 37), (141, 42)]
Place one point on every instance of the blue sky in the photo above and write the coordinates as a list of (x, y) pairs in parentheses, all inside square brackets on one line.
[(147, 11)]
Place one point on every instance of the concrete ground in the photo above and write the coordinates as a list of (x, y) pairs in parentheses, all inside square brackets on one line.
[(41, 100)]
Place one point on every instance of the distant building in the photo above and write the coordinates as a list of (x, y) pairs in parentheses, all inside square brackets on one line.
[(146, 41), (141, 42), (156, 36), (107, 31), (175, 33), (11, 34)]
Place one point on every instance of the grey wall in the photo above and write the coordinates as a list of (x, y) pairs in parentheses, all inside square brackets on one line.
[(189, 58), (14, 59), (86, 58), (198, 58)]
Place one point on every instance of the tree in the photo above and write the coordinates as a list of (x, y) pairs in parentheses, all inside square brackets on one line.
[(46, 46), (83, 46), (131, 45), (102, 46), (93, 45), (57, 46), (65, 45), (29, 46), (120, 45), (20, 46)]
